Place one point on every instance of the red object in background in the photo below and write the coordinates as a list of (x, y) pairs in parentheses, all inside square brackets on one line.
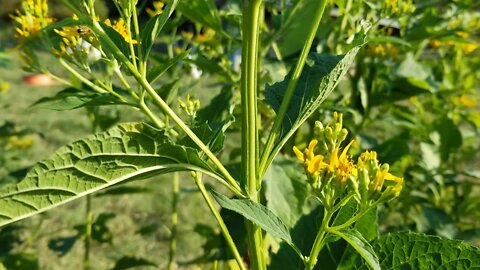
[(38, 80)]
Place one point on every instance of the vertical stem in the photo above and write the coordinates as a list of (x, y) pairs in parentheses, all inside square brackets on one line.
[(174, 219), (319, 241), (250, 47), (88, 232), (292, 84), (218, 218)]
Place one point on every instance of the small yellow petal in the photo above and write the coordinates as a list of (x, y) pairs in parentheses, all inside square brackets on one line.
[(298, 153)]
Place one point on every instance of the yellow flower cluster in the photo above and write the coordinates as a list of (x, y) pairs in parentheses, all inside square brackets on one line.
[(466, 47), (33, 18), (336, 170), (402, 7), (382, 50), (120, 26)]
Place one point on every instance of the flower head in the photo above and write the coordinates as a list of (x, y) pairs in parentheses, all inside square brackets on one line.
[(121, 28), (157, 8), (33, 18)]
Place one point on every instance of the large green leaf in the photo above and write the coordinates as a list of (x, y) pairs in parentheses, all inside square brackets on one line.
[(315, 84), (256, 213), (163, 65), (126, 152), (406, 250)]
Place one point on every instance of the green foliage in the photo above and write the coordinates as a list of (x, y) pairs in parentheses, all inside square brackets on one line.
[(256, 213), (399, 250), (126, 152), (407, 90)]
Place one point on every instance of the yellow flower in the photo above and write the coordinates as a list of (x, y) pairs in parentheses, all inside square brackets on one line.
[(462, 34), (312, 163), (469, 47), (436, 43), (157, 8), (121, 28), (32, 20), (341, 166), (19, 143), (206, 36), (465, 101)]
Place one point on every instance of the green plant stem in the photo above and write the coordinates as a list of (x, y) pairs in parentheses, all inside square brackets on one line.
[(166, 109), (250, 47), (319, 241), (267, 155), (353, 219), (88, 232), (218, 218), (142, 63), (174, 220)]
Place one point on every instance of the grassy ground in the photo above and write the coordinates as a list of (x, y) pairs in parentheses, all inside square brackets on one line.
[(148, 211)]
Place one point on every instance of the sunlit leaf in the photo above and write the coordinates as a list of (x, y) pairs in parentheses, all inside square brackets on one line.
[(126, 152), (256, 213), (315, 84), (406, 250)]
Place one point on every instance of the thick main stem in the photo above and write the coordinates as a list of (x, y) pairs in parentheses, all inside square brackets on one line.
[(250, 46), (267, 155)]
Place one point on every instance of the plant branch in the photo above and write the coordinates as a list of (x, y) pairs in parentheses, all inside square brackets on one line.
[(165, 108), (292, 85), (219, 219)]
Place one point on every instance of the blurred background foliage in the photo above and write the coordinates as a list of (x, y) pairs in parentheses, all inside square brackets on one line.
[(412, 96)]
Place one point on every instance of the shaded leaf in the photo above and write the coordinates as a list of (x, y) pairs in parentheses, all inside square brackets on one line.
[(303, 235), (127, 152), (256, 213), (21, 261), (286, 190), (221, 104)]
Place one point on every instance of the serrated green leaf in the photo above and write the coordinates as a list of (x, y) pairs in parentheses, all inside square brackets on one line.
[(154, 26), (256, 213), (356, 240), (212, 135), (405, 250), (315, 84), (124, 153)]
